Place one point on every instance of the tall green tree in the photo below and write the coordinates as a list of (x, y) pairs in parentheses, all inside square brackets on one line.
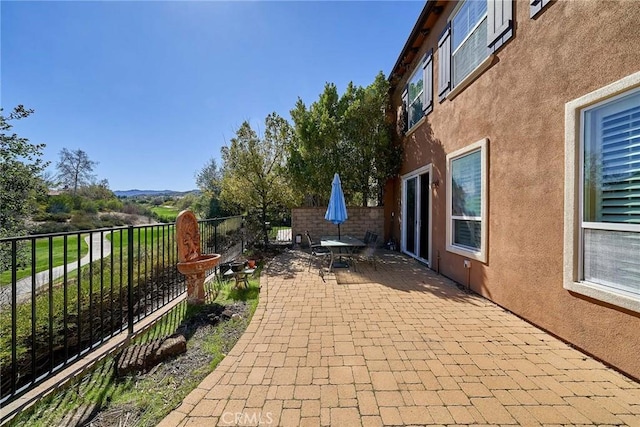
[(317, 151), (367, 131), (20, 167), (254, 177), (75, 169), (348, 134), (209, 181)]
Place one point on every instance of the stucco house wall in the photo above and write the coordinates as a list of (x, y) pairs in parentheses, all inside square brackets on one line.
[(518, 104)]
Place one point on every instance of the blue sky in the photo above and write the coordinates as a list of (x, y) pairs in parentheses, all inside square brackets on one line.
[(152, 89)]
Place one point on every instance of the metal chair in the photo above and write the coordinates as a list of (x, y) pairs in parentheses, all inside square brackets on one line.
[(317, 251), (368, 253)]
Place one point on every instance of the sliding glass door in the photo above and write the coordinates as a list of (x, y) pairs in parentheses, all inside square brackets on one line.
[(416, 214)]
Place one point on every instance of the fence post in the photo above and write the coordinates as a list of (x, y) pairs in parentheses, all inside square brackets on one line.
[(14, 316), (130, 278), (215, 239), (242, 233)]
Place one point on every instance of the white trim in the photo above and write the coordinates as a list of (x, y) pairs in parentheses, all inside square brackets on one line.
[(612, 226), (475, 27), (416, 173), (409, 83), (479, 255), (602, 293), (572, 258), (484, 65), (421, 95), (415, 127)]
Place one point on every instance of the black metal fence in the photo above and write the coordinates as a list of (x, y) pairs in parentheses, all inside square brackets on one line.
[(64, 294)]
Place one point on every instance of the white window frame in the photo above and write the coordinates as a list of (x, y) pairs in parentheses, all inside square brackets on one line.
[(573, 197), (481, 254), (403, 239), (410, 102), (483, 65)]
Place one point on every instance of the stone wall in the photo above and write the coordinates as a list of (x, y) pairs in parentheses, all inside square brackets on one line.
[(360, 220)]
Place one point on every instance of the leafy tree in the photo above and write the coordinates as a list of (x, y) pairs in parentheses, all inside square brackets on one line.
[(97, 191), (348, 134), (186, 202), (208, 181), (75, 169), (20, 167), (367, 132), (317, 152), (254, 175)]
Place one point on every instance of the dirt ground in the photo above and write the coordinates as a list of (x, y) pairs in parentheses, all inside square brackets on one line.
[(178, 370)]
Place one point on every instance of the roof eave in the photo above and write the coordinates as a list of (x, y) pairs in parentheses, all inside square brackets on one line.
[(407, 54)]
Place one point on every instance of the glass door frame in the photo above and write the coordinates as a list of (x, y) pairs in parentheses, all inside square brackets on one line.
[(428, 169)]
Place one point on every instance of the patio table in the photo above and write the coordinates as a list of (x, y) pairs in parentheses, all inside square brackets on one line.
[(241, 277), (340, 245)]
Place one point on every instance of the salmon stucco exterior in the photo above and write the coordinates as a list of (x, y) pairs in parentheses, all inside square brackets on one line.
[(520, 126)]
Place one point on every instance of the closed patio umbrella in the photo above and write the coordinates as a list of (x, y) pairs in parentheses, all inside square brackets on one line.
[(337, 209)]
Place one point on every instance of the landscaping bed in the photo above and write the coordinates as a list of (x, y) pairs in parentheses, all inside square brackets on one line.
[(101, 398)]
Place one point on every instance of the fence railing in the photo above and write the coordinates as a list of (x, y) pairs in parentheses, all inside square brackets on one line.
[(64, 294)]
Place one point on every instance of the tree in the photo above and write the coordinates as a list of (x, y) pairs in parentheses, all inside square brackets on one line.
[(254, 176), (97, 191), (317, 152), (208, 181), (367, 132), (75, 169), (20, 167), (348, 134)]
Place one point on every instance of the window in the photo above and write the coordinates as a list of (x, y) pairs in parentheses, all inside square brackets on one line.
[(468, 39), (466, 201), (476, 29), (602, 253), (418, 94)]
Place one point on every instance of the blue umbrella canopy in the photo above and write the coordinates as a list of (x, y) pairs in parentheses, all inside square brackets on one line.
[(337, 209)]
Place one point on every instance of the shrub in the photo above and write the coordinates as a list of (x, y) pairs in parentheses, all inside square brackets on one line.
[(52, 217), (62, 203), (112, 221), (89, 206), (84, 221), (114, 205), (52, 227)]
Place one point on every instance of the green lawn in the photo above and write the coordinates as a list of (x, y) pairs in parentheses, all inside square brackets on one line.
[(143, 235), (42, 255), (166, 213), (42, 249)]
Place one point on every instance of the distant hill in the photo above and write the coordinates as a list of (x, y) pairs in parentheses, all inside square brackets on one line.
[(137, 193)]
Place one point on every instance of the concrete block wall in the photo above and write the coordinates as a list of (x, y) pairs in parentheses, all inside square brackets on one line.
[(360, 220)]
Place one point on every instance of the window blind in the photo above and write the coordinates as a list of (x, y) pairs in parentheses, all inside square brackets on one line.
[(612, 161), (620, 135)]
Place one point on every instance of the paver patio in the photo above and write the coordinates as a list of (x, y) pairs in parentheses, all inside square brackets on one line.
[(398, 346)]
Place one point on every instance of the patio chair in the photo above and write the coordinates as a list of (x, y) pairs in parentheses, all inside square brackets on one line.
[(317, 251), (367, 253)]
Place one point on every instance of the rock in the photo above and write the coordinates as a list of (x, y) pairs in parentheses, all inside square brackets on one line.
[(171, 347), (235, 316), (142, 357), (226, 314)]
